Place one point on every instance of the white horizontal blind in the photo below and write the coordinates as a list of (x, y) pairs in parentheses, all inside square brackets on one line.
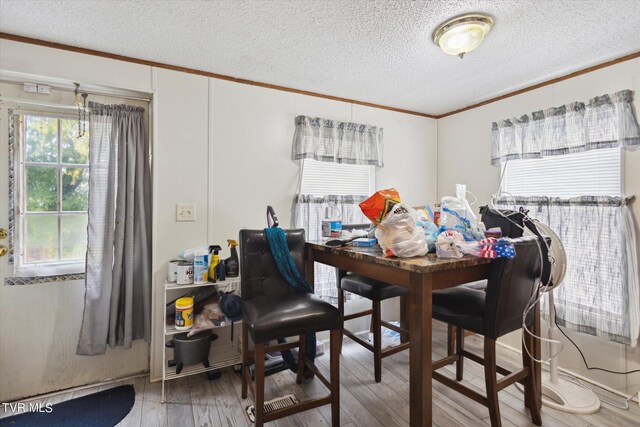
[(593, 173), (328, 178)]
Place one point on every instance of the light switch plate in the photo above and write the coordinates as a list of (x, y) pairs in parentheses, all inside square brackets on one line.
[(185, 212)]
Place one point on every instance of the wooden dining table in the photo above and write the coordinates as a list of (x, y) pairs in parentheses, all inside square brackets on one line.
[(421, 275)]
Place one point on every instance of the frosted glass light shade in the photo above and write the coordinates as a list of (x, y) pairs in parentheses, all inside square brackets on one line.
[(462, 34)]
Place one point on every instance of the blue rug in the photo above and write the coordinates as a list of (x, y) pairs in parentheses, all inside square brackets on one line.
[(103, 409)]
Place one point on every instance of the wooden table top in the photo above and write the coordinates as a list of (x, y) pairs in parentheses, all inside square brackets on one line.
[(429, 263)]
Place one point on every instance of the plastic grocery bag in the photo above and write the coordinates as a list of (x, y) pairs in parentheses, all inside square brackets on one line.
[(398, 235), (458, 216), (489, 248), (447, 244), (430, 230)]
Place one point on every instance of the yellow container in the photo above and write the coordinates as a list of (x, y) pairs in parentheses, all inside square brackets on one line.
[(184, 313)]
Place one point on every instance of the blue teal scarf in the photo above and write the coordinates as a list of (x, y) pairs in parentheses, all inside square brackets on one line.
[(277, 240), (279, 248)]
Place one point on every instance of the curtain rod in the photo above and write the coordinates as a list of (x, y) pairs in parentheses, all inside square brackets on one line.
[(38, 103), (565, 201), (70, 89)]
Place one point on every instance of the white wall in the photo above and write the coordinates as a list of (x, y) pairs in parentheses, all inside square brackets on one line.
[(180, 165), (251, 134), (463, 157)]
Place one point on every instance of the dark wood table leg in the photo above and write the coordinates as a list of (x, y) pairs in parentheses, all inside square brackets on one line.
[(420, 356), (404, 318), (310, 269)]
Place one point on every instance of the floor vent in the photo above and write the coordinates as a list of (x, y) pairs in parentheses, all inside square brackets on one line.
[(273, 405)]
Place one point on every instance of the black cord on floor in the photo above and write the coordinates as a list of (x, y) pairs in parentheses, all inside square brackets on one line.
[(589, 368)]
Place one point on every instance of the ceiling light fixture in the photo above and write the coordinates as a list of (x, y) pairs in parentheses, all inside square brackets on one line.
[(463, 33)]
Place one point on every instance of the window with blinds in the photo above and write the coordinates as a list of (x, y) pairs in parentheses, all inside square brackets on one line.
[(325, 178), (591, 298), (592, 173)]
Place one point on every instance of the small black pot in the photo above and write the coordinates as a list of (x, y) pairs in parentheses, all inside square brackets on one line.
[(191, 350)]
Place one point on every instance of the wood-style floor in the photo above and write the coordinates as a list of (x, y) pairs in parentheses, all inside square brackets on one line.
[(195, 401)]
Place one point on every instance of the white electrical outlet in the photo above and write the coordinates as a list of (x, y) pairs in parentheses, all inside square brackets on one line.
[(185, 212), (30, 87), (44, 89)]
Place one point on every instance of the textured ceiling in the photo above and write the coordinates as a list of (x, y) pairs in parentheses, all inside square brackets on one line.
[(369, 50)]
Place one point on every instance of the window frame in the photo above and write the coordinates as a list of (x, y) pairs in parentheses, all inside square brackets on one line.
[(45, 268)]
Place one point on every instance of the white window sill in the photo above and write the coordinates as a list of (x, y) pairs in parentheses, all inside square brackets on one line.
[(11, 281), (49, 269), (46, 273)]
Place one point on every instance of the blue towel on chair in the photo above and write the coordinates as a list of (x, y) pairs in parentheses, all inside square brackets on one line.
[(279, 248), (277, 240)]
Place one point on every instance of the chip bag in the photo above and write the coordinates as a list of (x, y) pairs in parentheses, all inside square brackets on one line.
[(380, 204)]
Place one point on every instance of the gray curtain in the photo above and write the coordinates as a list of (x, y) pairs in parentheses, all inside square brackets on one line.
[(606, 121), (117, 306), (333, 141)]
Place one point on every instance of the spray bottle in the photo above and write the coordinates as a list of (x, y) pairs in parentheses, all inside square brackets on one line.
[(215, 260), (232, 266)]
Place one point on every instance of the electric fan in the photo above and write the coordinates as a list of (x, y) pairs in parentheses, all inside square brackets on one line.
[(559, 393)]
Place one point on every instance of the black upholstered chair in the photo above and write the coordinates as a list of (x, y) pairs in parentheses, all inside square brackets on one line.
[(377, 292), (494, 313), (272, 310)]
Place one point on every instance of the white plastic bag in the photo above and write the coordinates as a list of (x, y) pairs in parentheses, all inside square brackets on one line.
[(390, 338), (457, 215), (447, 244), (399, 235)]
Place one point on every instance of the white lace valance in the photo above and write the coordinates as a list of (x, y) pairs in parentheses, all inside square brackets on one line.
[(606, 121), (339, 142)]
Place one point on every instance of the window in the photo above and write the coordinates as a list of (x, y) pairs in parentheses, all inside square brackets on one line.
[(325, 178), (52, 182), (575, 194), (593, 173), (322, 186)]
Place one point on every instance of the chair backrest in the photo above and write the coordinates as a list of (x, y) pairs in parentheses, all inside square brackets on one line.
[(510, 286), (258, 272)]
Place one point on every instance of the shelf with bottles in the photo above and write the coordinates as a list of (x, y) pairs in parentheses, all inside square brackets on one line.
[(233, 282), (170, 329)]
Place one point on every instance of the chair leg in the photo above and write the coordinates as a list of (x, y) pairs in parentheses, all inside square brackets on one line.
[(341, 309), (245, 359), (451, 340), (490, 377), (336, 336), (377, 340), (259, 385), (301, 350), (531, 397), (459, 348)]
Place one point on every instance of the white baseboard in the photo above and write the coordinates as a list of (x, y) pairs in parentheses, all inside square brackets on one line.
[(83, 387)]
